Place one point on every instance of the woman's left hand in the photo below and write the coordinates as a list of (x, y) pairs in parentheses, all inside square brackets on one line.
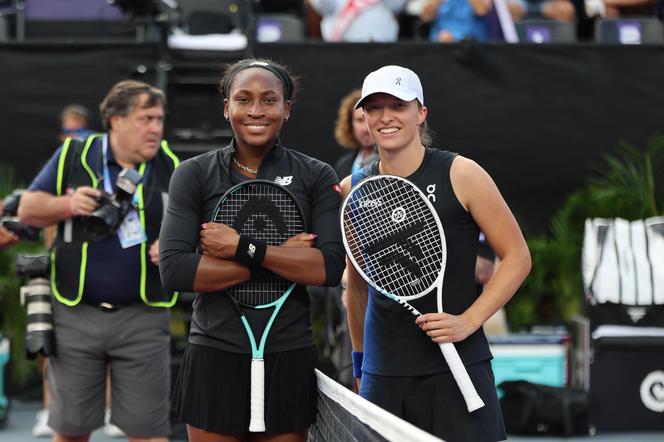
[(305, 240), (444, 327), (218, 240)]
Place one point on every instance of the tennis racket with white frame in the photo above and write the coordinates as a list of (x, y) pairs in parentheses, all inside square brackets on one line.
[(395, 240), (268, 212)]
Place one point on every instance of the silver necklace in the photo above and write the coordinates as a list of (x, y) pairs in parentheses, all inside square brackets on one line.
[(245, 168)]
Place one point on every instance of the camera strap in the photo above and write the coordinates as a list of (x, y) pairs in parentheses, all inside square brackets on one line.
[(130, 232)]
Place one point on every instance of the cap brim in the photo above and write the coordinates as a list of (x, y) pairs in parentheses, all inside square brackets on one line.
[(401, 95)]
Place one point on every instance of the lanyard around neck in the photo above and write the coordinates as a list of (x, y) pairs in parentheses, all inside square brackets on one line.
[(108, 186)]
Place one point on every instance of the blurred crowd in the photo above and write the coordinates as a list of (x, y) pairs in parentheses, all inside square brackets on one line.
[(352, 20)]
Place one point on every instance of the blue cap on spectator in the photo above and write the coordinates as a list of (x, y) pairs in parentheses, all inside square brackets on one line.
[(394, 80)]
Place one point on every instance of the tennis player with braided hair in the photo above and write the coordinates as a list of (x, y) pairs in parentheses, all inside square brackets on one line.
[(396, 354), (248, 370)]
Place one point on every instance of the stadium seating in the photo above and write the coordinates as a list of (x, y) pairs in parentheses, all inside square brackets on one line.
[(545, 31), (202, 14), (279, 28), (632, 30)]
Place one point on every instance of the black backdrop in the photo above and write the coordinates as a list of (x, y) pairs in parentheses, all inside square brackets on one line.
[(538, 118)]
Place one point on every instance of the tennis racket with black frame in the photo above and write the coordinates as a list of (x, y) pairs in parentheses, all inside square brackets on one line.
[(268, 212), (395, 240)]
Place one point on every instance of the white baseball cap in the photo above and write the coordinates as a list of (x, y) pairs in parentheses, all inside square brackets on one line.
[(394, 80)]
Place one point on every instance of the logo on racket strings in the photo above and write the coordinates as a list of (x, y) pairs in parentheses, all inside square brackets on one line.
[(369, 204), (398, 214)]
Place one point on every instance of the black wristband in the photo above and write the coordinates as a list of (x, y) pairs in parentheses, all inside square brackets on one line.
[(250, 251)]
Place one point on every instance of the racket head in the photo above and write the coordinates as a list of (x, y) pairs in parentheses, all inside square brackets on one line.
[(393, 236), (266, 211)]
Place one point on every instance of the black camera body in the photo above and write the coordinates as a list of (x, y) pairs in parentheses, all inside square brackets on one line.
[(10, 221), (36, 296), (113, 208)]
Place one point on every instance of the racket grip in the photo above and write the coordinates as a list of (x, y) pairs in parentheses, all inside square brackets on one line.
[(257, 399), (473, 400)]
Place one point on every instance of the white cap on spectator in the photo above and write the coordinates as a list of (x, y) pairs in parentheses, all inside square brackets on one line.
[(394, 80)]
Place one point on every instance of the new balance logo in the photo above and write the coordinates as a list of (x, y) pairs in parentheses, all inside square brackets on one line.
[(284, 181)]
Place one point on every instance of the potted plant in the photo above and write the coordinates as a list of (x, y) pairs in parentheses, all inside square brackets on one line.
[(628, 186)]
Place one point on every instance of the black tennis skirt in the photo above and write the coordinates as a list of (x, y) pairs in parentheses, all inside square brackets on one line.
[(212, 390)]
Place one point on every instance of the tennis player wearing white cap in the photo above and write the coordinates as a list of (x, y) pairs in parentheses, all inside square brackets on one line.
[(403, 369)]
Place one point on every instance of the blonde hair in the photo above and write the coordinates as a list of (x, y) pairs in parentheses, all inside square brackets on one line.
[(343, 129)]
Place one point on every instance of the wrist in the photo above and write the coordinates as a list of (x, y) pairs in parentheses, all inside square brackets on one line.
[(358, 357), (250, 251), (69, 206)]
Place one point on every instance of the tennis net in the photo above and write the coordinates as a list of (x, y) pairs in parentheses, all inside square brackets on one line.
[(344, 416)]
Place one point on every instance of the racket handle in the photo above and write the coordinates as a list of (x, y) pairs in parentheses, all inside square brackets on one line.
[(473, 400), (257, 401)]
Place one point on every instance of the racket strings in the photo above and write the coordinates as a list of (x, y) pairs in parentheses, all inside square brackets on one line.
[(394, 237), (266, 213)]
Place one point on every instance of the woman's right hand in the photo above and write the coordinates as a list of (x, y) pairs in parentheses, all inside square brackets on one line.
[(218, 240), (303, 240)]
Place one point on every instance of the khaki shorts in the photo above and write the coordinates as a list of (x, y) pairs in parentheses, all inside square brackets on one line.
[(133, 342)]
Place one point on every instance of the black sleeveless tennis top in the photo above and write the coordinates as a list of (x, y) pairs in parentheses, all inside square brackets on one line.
[(393, 344)]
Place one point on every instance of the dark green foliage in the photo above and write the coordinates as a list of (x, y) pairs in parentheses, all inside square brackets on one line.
[(630, 185)]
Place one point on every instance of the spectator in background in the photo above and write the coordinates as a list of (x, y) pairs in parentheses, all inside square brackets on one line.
[(561, 10), (634, 8), (351, 133), (620, 8), (359, 20), (74, 121), (454, 20)]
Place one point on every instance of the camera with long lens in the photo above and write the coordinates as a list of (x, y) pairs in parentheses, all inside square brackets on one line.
[(113, 208), (9, 219), (36, 296)]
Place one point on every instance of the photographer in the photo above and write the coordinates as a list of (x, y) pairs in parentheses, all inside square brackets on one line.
[(106, 194)]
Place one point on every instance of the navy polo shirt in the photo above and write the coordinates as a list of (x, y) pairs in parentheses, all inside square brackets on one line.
[(112, 273)]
